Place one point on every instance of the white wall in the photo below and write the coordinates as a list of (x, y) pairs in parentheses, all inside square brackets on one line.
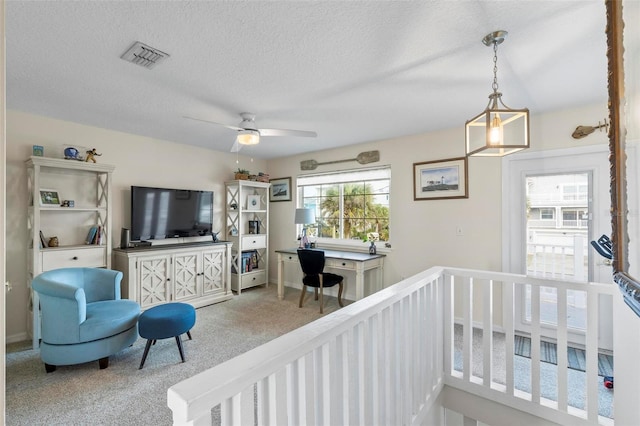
[(138, 161), (423, 233)]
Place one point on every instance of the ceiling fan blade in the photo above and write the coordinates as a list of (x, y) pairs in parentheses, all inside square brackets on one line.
[(285, 132), (236, 146), (213, 122)]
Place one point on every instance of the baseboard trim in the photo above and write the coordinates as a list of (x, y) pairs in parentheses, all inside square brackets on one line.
[(15, 338)]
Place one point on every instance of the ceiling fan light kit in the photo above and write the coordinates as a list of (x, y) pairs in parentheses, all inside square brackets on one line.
[(249, 133), (248, 137), (498, 130)]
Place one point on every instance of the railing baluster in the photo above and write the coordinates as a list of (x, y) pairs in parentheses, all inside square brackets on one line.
[(561, 347), (322, 397), (448, 292), (592, 356), (535, 344), (508, 305), (267, 400), (343, 390), (487, 333), (467, 328), (372, 373), (230, 411)]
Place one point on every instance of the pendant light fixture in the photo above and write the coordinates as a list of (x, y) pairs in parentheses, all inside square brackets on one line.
[(498, 130)]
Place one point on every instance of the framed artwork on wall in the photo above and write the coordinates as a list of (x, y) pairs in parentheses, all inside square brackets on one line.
[(440, 179), (280, 189)]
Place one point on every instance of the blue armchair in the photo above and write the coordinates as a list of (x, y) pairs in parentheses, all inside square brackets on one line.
[(83, 317)]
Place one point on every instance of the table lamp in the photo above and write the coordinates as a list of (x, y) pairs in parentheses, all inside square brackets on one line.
[(304, 217)]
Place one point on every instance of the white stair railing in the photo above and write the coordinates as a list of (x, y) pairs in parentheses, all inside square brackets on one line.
[(464, 284), (376, 361), (386, 358)]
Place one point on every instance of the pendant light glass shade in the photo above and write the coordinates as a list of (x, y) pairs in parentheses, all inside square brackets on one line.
[(498, 130), (248, 137)]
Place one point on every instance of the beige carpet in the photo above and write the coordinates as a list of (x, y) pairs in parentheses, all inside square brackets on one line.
[(123, 395)]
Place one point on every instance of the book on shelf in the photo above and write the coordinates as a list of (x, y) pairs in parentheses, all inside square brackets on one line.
[(43, 242), (95, 235), (248, 262)]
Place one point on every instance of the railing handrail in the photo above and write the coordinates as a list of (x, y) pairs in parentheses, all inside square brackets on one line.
[(605, 288), (209, 388)]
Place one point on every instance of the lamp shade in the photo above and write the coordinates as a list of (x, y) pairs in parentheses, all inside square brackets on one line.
[(497, 131), (305, 216)]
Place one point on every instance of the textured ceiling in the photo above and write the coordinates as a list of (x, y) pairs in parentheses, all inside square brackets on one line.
[(351, 71)]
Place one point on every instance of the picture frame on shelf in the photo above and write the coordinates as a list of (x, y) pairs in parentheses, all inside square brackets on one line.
[(254, 227), (440, 179), (253, 202), (49, 198), (280, 189)]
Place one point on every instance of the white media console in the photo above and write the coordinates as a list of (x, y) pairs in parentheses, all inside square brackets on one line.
[(195, 273)]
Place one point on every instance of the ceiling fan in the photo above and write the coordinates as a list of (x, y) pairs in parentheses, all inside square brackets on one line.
[(249, 133)]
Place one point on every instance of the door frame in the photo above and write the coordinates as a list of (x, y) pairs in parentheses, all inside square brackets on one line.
[(515, 168)]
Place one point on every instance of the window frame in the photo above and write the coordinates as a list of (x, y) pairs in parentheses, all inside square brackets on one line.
[(322, 179)]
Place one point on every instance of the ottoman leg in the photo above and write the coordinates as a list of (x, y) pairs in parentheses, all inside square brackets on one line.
[(146, 352), (179, 342), (189, 334)]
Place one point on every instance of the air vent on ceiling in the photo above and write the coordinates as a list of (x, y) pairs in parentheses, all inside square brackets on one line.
[(143, 55)]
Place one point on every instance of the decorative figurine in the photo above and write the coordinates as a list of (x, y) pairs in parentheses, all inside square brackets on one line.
[(72, 153), (91, 154), (53, 242), (372, 248)]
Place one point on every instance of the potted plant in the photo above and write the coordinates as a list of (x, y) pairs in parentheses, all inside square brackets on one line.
[(242, 174)]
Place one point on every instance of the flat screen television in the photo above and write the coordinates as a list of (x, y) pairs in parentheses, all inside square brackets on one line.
[(158, 213)]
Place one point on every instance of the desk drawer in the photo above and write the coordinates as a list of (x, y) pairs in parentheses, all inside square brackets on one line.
[(74, 258), (251, 242), (340, 264)]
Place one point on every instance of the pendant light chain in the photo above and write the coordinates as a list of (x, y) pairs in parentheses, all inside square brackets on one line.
[(494, 86)]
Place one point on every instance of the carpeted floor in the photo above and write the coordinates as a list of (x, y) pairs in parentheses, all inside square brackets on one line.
[(123, 395)]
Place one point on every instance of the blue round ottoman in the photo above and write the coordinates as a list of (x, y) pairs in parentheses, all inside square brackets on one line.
[(165, 321)]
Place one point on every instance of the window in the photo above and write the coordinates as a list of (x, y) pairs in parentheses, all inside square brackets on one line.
[(575, 192), (546, 213), (348, 204)]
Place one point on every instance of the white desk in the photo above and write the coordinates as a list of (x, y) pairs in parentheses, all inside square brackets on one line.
[(336, 259)]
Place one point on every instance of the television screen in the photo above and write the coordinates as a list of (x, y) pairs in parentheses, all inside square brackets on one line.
[(158, 213)]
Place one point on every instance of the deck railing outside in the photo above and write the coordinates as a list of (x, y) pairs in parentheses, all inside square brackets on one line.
[(386, 358)]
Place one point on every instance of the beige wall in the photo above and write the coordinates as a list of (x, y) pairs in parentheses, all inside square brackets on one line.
[(138, 161), (422, 232)]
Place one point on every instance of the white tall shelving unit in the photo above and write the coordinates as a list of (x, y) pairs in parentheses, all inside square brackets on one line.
[(248, 201), (89, 186)]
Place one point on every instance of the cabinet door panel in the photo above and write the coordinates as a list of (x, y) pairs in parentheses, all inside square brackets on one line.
[(155, 288), (185, 273), (213, 272)]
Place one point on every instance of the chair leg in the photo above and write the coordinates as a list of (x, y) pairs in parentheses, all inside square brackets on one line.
[(315, 291), (179, 342), (103, 362), (189, 335), (302, 293), (49, 368), (321, 295), (146, 352), (340, 295)]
